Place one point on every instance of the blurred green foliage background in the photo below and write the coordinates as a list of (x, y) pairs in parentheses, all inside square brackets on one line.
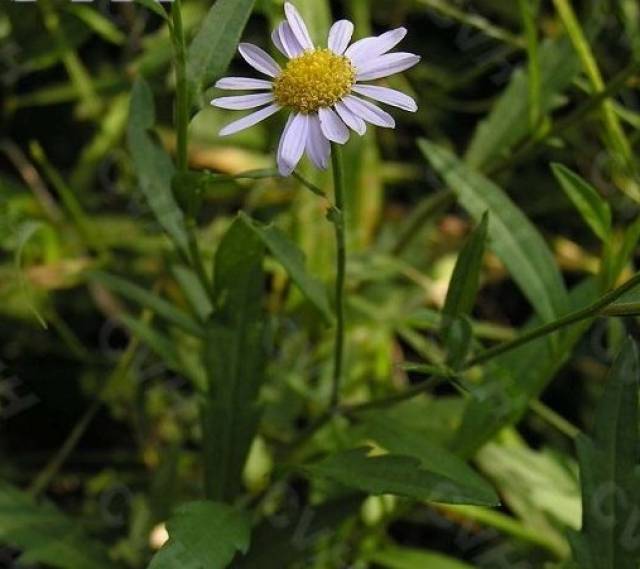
[(99, 416)]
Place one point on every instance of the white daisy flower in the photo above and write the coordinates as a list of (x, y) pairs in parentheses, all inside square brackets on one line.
[(322, 88)]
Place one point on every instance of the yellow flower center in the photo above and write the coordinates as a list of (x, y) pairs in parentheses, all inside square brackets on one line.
[(314, 80)]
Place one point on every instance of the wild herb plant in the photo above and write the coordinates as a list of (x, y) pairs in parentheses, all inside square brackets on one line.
[(287, 371)]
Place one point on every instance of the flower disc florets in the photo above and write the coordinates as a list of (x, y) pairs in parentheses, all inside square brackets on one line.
[(314, 80)]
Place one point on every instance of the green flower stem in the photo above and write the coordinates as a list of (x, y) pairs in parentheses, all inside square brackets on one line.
[(182, 135), (600, 307), (337, 216), (589, 312)]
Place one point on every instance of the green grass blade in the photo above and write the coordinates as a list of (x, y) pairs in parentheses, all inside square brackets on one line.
[(406, 558), (617, 137), (153, 165), (293, 260), (465, 281), (528, 13), (514, 238), (507, 125), (193, 291), (404, 438), (161, 344), (397, 474), (146, 299), (593, 208), (155, 7), (102, 26), (214, 45)]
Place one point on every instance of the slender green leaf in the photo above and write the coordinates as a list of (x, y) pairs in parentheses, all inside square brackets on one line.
[(234, 359), (465, 281), (98, 23), (25, 233), (455, 328), (458, 338), (508, 124), (593, 208), (629, 243), (529, 10), (514, 238), (610, 473), (46, 535), (154, 339), (517, 377), (153, 165), (203, 535), (399, 438), (214, 45), (154, 6), (194, 292), (147, 299), (406, 558), (436, 371), (393, 474), (615, 136), (630, 16), (293, 260)]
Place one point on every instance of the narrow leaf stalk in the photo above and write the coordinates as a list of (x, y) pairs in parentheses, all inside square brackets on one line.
[(546, 329), (337, 216)]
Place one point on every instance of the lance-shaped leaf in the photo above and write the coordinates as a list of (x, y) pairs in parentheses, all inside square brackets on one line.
[(514, 238), (397, 474), (465, 281), (153, 165), (508, 124), (461, 296), (610, 473), (592, 207), (214, 45), (406, 558), (293, 260), (234, 359), (157, 341), (154, 6), (45, 535), (517, 377), (399, 436), (161, 307), (203, 535)]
